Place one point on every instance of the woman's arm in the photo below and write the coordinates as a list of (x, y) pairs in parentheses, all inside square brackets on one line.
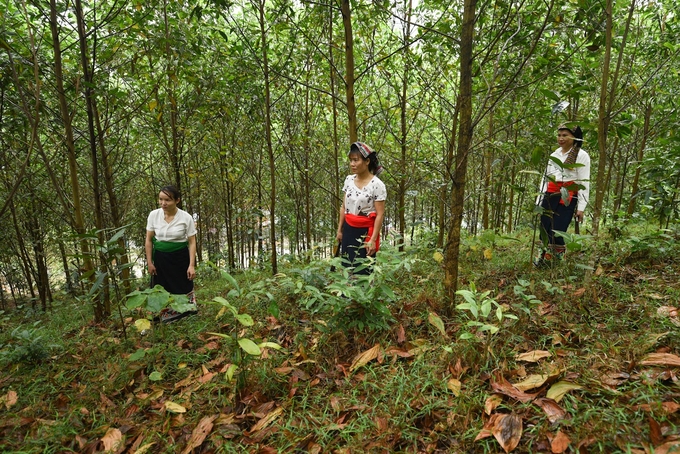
[(341, 221), (148, 247), (191, 271), (377, 226)]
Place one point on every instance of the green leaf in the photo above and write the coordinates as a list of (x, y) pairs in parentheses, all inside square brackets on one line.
[(437, 322), (245, 319), (220, 300), (232, 281), (157, 301), (273, 345), (249, 347), (135, 301), (142, 324), (139, 354), (155, 376)]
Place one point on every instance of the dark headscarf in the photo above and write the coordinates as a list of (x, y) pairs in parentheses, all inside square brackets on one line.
[(368, 153), (578, 140)]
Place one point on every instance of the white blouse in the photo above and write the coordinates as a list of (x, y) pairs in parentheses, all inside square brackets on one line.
[(363, 200), (179, 230), (579, 175)]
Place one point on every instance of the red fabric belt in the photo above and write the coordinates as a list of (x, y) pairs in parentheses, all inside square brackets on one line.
[(554, 187), (363, 222)]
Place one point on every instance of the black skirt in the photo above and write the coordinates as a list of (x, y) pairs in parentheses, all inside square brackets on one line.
[(353, 247), (171, 271)]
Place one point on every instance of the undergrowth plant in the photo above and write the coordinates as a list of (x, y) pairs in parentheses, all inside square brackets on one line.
[(27, 345), (484, 316), (361, 301), (153, 301), (244, 348)]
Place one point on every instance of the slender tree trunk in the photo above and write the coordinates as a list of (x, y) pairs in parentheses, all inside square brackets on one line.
[(640, 157), (336, 190), (27, 266), (349, 70), (102, 306), (464, 141), (268, 136)]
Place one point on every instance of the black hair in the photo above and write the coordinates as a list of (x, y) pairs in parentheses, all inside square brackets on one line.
[(373, 164), (171, 191)]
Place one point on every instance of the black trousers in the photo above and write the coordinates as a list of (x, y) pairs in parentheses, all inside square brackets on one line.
[(556, 216)]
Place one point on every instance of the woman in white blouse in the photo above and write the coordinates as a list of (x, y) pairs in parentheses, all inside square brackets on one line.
[(564, 192), (363, 207), (171, 248)]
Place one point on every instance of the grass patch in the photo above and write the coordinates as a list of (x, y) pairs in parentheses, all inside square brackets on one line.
[(418, 387)]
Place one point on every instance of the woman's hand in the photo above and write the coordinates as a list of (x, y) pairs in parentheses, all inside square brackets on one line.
[(191, 273), (338, 236), (370, 248), (579, 216), (152, 269)]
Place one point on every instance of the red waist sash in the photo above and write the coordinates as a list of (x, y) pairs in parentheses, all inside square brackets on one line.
[(554, 187), (363, 222)]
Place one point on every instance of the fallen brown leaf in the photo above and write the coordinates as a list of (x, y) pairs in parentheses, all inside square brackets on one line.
[(502, 386), (533, 356), (112, 439), (364, 358), (508, 431), (268, 419), (660, 359), (559, 443), (655, 435), (551, 408), (198, 435), (9, 399), (492, 402)]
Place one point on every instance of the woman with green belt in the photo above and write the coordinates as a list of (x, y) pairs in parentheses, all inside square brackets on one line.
[(171, 250)]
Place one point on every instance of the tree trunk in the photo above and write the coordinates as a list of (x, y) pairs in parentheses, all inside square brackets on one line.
[(640, 157), (464, 141), (102, 305), (268, 136), (349, 71), (78, 220)]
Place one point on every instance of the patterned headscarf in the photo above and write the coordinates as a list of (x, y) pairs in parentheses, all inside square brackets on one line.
[(368, 153), (578, 140)]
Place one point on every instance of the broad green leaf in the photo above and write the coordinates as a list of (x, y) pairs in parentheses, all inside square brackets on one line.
[(157, 301), (142, 324), (135, 301), (155, 376), (438, 257), (245, 319), (139, 354), (219, 299), (249, 347)]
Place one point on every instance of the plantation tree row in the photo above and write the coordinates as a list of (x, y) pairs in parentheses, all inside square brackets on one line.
[(250, 107)]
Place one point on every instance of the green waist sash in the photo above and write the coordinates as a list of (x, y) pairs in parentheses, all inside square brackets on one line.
[(168, 246)]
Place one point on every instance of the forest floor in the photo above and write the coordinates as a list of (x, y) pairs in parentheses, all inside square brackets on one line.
[(588, 360)]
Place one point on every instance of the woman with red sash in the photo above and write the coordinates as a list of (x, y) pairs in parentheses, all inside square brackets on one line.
[(363, 208), (564, 193), (171, 250)]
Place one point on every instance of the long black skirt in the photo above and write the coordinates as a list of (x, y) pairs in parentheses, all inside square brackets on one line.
[(556, 216), (353, 248), (171, 271)]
